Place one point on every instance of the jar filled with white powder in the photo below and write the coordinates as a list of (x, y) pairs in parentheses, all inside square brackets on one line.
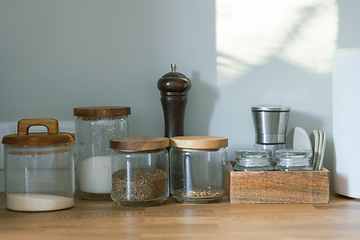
[(39, 167), (94, 127)]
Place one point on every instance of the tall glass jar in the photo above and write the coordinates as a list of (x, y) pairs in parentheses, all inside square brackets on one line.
[(198, 166), (39, 168), (140, 171), (94, 127)]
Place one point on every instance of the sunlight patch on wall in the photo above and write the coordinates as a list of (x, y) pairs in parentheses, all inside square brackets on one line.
[(251, 32)]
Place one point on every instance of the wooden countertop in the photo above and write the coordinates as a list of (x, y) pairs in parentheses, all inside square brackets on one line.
[(339, 219)]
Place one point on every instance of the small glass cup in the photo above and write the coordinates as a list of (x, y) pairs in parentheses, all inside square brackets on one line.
[(253, 160), (293, 160)]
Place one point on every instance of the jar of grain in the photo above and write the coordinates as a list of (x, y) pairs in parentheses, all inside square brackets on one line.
[(39, 167), (198, 168), (94, 127), (140, 171)]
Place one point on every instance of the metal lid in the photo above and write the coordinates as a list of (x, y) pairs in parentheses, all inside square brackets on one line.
[(107, 111), (270, 108), (174, 82), (52, 136), (138, 144), (199, 142)]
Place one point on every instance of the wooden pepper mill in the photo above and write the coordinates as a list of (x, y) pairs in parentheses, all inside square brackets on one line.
[(174, 87)]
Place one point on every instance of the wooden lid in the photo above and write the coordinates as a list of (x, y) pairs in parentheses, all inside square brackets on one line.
[(137, 144), (52, 136), (101, 111), (199, 142)]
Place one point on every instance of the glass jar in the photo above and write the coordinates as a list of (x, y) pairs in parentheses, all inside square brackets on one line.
[(39, 167), (140, 171), (198, 166), (293, 160), (253, 160), (94, 127)]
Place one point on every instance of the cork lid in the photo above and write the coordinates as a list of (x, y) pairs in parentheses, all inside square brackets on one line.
[(199, 142), (52, 136), (138, 144), (102, 111)]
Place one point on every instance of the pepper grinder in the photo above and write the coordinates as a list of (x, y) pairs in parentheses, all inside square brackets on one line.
[(174, 87)]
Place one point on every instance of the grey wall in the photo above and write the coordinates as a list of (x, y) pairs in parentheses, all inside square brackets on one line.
[(57, 55)]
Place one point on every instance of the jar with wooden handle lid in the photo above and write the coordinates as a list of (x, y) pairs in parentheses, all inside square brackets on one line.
[(39, 167)]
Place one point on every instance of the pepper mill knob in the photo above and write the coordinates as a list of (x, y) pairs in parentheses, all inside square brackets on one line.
[(173, 87)]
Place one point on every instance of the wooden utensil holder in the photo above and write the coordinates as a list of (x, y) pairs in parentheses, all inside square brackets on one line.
[(278, 186)]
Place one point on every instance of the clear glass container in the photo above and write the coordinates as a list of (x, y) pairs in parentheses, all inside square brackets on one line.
[(39, 168), (272, 148), (94, 127), (253, 160), (140, 171), (293, 160), (198, 168)]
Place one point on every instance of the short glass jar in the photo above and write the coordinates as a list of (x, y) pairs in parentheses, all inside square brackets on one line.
[(293, 160), (253, 160), (39, 167), (198, 166), (94, 127), (140, 171)]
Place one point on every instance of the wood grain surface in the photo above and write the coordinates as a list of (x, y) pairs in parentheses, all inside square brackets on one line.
[(279, 186), (339, 219)]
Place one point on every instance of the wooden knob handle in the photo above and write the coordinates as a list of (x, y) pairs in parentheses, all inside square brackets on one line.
[(51, 124)]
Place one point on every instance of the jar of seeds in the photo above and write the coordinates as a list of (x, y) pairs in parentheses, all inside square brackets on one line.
[(198, 166), (253, 160), (140, 171), (293, 160)]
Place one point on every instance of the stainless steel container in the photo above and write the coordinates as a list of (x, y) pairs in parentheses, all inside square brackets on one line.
[(270, 123)]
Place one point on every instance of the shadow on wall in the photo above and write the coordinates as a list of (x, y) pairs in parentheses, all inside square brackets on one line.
[(200, 106), (251, 32), (306, 121)]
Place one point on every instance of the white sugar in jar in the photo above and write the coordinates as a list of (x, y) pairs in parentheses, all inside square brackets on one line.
[(94, 127), (39, 167)]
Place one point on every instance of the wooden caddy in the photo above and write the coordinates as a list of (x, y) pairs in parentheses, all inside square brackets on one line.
[(279, 187)]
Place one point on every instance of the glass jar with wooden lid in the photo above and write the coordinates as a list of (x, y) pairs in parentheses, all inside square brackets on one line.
[(198, 166), (39, 167), (94, 127), (140, 171)]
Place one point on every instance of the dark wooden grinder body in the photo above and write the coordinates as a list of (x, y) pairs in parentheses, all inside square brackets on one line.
[(173, 87)]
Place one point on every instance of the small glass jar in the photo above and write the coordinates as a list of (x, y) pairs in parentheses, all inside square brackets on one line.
[(140, 171), (39, 167), (94, 127), (198, 166), (253, 160), (293, 160)]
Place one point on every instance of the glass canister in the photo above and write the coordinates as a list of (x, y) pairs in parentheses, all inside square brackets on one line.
[(293, 160), (253, 160), (94, 127), (39, 167), (198, 166), (140, 171)]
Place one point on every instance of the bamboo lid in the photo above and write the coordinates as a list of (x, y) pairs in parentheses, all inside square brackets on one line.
[(52, 136), (102, 111), (199, 142), (137, 144)]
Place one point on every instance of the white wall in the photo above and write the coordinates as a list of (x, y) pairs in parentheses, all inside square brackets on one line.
[(57, 55)]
